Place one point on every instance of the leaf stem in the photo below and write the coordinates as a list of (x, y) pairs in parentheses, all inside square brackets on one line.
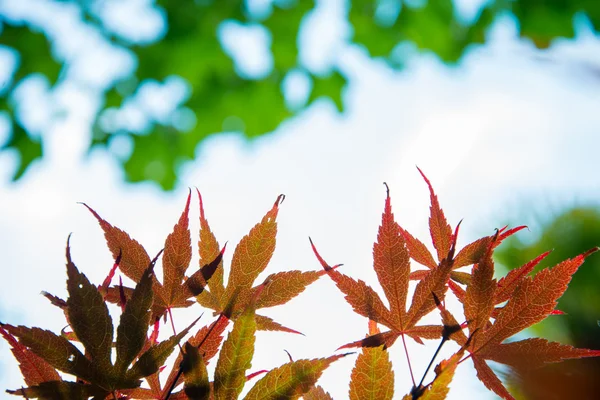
[(412, 376), (172, 322), (432, 360)]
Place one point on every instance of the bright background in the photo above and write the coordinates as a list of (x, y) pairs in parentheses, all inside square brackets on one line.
[(509, 127)]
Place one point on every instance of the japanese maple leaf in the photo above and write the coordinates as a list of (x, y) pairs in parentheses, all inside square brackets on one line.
[(92, 325), (530, 300), (444, 242), (392, 265), (372, 377), (250, 258), (288, 381), (206, 342), (35, 369), (176, 288)]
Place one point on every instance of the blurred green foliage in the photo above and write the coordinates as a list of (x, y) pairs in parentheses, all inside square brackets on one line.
[(223, 99), (571, 233)]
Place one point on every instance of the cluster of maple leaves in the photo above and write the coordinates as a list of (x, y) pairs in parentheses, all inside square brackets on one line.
[(494, 311)]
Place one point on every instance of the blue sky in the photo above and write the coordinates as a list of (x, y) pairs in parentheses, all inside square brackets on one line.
[(503, 130)]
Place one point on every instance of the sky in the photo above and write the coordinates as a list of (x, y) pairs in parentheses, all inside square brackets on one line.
[(510, 133)]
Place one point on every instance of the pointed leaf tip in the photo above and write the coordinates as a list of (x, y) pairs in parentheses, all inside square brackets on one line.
[(255, 374), (439, 229), (387, 189), (289, 355), (324, 264), (196, 283), (590, 252), (279, 200), (201, 204)]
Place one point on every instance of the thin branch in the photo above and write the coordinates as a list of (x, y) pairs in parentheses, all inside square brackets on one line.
[(432, 360)]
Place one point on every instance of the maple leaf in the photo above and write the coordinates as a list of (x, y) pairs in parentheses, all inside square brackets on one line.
[(207, 341), (250, 258), (531, 301), (317, 393), (392, 266), (176, 288), (441, 232), (291, 380), (235, 357), (444, 242), (91, 323), (372, 377), (60, 390), (35, 369), (195, 374)]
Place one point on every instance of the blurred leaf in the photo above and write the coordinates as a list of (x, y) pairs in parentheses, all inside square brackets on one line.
[(331, 87), (34, 51), (568, 233), (222, 99), (29, 149)]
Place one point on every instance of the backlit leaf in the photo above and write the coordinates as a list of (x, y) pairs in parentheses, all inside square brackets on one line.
[(88, 315), (209, 250), (507, 285), (317, 393), (196, 283), (423, 299), (208, 340), (417, 250), (372, 377), (34, 369), (56, 350), (196, 384), (176, 257), (534, 353), (134, 259), (61, 390), (291, 380), (253, 252), (472, 253), (235, 357), (153, 358), (441, 233), (533, 300), (133, 325), (363, 299), (489, 378), (284, 286), (267, 324), (391, 263), (479, 298)]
